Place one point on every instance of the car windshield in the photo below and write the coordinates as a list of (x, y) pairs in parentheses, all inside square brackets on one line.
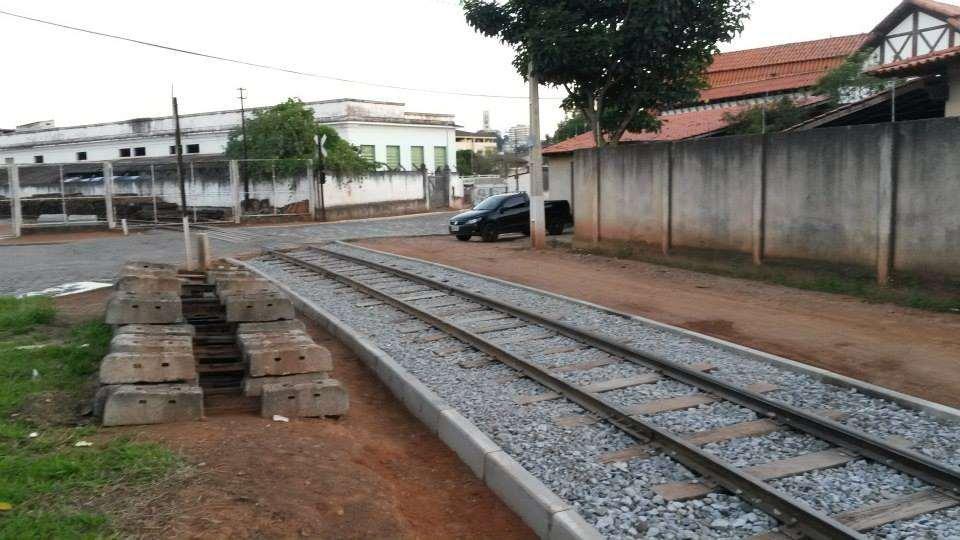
[(491, 203)]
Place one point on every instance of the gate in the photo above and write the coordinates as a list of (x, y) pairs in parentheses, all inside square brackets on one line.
[(438, 190)]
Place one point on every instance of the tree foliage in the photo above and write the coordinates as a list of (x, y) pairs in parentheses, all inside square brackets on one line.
[(572, 125), (620, 61), (848, 83), (780, 115), (470, 163), (287, 133)]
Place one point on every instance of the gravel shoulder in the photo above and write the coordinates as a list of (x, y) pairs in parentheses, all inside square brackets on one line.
[(908, 350)]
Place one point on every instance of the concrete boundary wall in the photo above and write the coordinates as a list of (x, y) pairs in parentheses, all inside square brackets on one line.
[(936, 410), (548, 515), (883, 196)]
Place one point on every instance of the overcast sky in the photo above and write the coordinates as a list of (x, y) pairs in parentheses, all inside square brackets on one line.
[(72, 78)]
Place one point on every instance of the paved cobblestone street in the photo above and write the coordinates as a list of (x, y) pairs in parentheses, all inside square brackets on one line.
[(27, 268)]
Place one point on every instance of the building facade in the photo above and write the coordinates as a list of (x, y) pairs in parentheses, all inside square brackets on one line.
[(480, 141), (384, 131)]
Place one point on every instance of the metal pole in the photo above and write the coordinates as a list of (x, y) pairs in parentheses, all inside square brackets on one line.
[(321, 176), (538, 233), (893, 101), (178, 146)]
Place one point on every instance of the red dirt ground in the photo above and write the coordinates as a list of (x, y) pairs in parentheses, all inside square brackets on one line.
[(374, 473), (908, 350)]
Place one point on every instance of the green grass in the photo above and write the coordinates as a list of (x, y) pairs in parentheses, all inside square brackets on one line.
[(19, 315), (906, 290), (46, 478)]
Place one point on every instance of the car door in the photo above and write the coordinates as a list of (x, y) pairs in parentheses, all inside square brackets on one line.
[(514, 214)]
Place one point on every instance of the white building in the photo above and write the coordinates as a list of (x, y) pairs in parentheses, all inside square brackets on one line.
[(385, 132), (519, 137)]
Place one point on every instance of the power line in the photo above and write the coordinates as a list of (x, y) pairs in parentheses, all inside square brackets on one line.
[(256, 65)]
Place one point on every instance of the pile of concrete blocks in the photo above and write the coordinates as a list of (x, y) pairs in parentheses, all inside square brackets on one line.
[(150, 374), (247, 298), (146, 293), (289, 371)]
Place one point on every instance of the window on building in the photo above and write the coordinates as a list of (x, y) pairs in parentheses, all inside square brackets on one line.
[(416, 157), (393, 157), (81, 156), (124, 152), (8, 160), (140, 151), (193, 148), (439, 157), (173, 149), (368, 152), (38, 159)]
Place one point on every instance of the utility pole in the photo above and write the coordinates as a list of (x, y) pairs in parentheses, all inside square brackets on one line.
[(243, 134), (538, 233), (178, 146)]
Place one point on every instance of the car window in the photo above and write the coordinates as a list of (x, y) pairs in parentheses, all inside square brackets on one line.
[(491, 203), (516, 202)]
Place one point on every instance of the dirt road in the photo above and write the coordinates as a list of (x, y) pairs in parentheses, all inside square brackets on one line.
[(909, 350)]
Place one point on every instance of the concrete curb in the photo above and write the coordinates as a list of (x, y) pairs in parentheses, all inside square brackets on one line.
[(936, 410), (547, 514)]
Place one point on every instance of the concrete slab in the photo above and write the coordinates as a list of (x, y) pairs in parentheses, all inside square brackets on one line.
[(424, 403), (468, 442), (275, 326), (138, 343), (149, 265), (149, 284), (305, 400), (527, 496), (157, 330), (253, 386), (133, 308), (128, 368), (214, 275), (132, 405), (288, 360), (246, 285), (259, 308)]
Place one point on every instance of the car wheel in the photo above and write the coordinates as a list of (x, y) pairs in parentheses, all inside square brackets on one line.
[(555, 230), (489, 234), (463, 237)]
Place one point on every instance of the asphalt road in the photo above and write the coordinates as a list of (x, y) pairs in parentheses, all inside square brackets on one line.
[(28, 268)]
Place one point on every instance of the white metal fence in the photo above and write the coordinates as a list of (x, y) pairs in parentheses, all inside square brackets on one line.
[(148, 192)]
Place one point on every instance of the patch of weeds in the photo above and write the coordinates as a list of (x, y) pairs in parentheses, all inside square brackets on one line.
[(19, 315), (48, 480)]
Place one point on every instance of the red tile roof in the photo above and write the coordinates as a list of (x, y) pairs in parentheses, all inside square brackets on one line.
[(917, 65), (676, 127), (779, 68)]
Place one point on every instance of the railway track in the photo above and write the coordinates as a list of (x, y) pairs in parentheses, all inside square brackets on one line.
[(479, 322)]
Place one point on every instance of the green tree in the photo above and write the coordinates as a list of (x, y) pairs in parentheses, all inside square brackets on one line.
[(848, 83), (465, 162), (287, 133), (780, 115), (620, 61), (572, 125)]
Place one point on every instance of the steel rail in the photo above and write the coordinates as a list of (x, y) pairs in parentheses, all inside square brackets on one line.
[(903, 459), (789, 511)]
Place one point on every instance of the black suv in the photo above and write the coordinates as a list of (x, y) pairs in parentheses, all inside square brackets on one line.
[(507, 213)]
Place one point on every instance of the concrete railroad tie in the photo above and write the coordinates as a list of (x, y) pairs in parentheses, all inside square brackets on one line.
[(131, 405), (304, 400)]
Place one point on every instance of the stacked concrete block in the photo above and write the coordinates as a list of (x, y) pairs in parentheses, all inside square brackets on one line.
[(289, 371), (247, 298), (146, 293), (150, 374)]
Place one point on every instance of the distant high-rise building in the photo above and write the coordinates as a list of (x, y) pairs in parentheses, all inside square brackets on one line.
[(486, 120), (519, 137)]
